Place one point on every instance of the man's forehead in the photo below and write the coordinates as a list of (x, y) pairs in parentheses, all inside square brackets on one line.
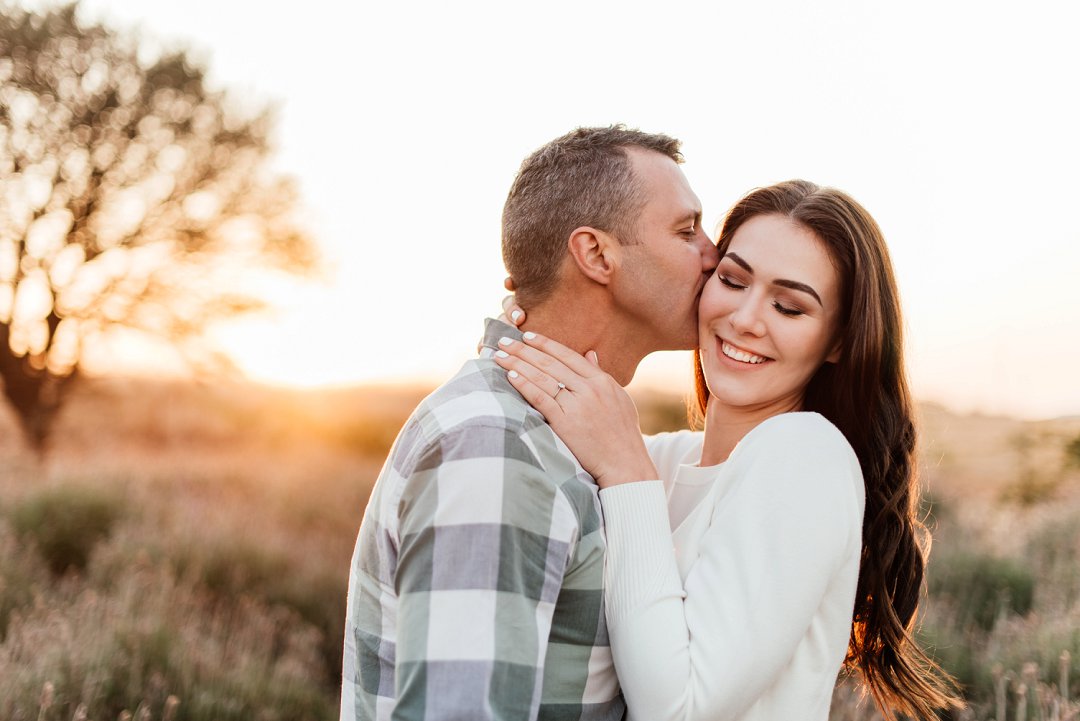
[(667, 190), (656, 168)]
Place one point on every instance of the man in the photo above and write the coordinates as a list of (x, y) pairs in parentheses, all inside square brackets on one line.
[(476, 589)]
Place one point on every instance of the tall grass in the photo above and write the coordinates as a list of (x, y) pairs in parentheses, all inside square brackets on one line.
[(151, 637), (185, 554), (65, 522), (184, 551)]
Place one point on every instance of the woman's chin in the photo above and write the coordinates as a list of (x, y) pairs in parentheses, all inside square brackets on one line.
[(734, 397)]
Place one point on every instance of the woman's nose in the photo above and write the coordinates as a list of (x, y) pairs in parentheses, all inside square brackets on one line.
[(747, 318)]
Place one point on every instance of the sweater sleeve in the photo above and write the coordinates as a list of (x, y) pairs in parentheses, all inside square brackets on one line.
[(766, 560)]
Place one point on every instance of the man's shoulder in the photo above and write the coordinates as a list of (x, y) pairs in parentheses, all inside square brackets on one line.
[(477, 403), (478, 396), (477, 416)]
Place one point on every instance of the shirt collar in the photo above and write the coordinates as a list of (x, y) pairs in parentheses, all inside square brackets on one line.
[(494, 330)]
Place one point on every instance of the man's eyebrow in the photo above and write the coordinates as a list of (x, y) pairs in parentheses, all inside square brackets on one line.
[(694, 215), (793, 284)]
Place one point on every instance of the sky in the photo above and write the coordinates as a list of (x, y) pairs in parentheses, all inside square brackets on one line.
[(954, 124)]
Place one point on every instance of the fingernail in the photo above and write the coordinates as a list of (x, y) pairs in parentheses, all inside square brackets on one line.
[(502, 354), (515, 315), (505, 341), (513, 374), (529, 335)]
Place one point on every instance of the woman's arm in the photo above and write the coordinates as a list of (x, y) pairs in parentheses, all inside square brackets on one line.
[(766, 562)]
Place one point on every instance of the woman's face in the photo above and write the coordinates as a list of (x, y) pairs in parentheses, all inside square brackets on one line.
[(769, 316)]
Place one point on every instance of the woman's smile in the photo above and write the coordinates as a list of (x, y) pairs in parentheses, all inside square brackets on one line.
[(768, 315), (741, 355)]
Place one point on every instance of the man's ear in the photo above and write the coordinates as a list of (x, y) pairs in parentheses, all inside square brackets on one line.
[(593, 251)]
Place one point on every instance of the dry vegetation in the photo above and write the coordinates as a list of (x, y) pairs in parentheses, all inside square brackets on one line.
[(185, 541), (183, 553)]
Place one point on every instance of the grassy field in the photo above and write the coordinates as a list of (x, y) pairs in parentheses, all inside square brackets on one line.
[(182, 552)]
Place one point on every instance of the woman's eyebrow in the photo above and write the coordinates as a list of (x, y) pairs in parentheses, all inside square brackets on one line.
[(740, 262), (796, 285), (792, 284)]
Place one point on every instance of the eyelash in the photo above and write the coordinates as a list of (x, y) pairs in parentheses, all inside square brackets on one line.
[(781, 309), (730, 283)]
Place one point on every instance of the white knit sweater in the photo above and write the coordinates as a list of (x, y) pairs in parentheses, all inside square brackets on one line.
[(744, 611)]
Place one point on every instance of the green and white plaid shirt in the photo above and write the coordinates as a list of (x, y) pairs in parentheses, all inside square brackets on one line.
[(476, 589)]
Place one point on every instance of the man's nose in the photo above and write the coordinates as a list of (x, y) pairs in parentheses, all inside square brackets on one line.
[(710, 256)]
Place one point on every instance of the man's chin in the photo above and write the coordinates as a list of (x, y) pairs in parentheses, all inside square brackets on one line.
[(691, 340), (687, 340)]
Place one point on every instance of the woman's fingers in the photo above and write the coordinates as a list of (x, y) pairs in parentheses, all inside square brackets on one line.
[(567, 357), (512, 310), (535, 396), (541, 362), (571, 402), (547, 381)]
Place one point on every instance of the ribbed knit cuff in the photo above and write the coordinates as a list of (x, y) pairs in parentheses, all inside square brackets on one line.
[(640, 566)]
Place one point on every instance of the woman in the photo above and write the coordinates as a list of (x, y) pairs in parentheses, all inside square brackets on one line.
[(796, 543)]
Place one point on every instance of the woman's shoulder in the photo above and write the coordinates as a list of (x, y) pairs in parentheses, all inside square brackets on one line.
[(671, 449), (796, 429), (803, 441), (680, 440)]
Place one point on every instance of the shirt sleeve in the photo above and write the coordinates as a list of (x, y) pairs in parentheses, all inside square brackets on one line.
[(485, 541), (711, 650)]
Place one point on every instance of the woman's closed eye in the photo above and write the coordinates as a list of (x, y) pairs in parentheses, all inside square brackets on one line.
[(730, 283), (785, 310)]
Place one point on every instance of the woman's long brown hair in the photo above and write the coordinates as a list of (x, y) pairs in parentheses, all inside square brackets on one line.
[(865, 395)]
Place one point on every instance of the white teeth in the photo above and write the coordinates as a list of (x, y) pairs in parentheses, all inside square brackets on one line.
[(733, 352)]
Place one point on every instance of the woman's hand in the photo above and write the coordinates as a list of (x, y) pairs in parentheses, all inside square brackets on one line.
[(592, 413), (512, 313)]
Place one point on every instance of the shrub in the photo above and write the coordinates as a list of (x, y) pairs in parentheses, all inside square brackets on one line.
[(1072, 452), (1031, 488), (982, 587), (1053, 550), (21, 576), (66, 522), (231, 567), (153, 637)]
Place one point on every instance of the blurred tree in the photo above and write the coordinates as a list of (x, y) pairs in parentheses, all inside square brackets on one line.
[(131, 196)]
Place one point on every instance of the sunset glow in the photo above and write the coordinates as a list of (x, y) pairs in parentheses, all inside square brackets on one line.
[(405, 144)]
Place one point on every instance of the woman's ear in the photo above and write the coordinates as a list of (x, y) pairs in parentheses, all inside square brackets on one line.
[(593, 251), (834, 354)]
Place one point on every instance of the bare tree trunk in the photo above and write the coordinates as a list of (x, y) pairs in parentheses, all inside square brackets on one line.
[(36, 395)]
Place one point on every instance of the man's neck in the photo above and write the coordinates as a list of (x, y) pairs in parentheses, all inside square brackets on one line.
[(585, 324)]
